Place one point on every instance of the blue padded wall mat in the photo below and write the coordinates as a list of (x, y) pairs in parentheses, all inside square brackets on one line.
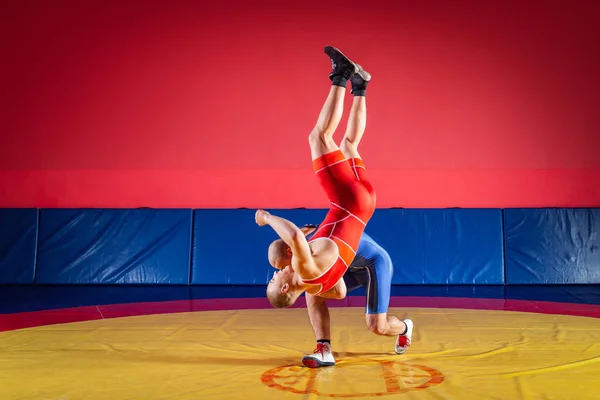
[(229, 248), (552, 246), (441, 246), (453, 246), (18, 245), (114, 246)]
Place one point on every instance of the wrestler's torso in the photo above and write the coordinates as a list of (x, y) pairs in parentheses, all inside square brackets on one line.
[(339, 237)]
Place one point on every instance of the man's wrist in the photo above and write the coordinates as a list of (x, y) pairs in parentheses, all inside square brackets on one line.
[(268, 219)]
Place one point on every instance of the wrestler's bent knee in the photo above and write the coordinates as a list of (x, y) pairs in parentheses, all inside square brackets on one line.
[(377, 325), (321, 144), (317, 136), (349, 149)]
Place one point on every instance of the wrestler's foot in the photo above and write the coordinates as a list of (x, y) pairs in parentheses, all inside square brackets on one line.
[(403, 341), (359, 81), (340, 64), (361, 76), (321, 357)]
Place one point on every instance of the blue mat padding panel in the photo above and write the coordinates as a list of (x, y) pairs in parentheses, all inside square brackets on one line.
[(114, 246), (229, 248), (441, 246), (552, 246), (18, 244), (226, 247), (427, 246)]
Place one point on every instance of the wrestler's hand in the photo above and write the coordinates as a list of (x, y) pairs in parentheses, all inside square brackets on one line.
[(261, 217), (308, 229)]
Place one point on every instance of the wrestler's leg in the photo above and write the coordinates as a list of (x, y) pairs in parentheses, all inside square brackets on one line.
[(321, 138), (318, 315), (379, 282), (385, 325), (338, 178), (373, 268), (355, 129), (376, 277), (357, 119), (318, 312)]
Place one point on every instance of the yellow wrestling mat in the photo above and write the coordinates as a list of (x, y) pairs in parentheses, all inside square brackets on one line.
[(255, 354)]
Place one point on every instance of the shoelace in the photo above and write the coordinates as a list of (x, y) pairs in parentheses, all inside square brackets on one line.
[(403, 341), (320, 349)]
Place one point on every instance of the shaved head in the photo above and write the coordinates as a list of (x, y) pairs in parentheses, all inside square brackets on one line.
[(278, 253), (278, 299)]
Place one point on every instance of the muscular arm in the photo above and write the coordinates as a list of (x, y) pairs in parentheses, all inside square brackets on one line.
[(337, 292), (291, 235)]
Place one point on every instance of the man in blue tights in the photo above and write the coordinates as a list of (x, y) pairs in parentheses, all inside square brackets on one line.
[(371, 268)]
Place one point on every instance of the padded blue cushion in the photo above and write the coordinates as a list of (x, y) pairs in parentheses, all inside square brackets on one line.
[(18, 245), (114, 246), (552, 246)]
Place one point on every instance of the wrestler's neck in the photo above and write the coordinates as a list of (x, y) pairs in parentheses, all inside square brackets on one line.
[(298, 284)]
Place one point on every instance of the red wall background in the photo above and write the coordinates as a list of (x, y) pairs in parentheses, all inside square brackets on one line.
[(209, 104)]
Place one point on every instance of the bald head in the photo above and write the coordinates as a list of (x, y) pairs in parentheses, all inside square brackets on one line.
[(279, 254), (279, 299)]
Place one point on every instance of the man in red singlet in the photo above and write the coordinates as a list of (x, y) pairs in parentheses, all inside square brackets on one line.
[(317, 266)]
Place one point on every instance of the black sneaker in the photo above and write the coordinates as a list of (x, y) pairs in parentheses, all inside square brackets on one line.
[(360, 80), (340, 64), (360, 76)]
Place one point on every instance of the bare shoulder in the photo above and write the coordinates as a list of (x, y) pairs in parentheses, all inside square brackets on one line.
[(324, 253), (323, 246)]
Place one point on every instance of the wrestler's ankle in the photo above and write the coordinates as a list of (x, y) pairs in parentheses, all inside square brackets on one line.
[(339, 80)]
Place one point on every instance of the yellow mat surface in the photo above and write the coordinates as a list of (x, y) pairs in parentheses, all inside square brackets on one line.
[(255, 354)]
